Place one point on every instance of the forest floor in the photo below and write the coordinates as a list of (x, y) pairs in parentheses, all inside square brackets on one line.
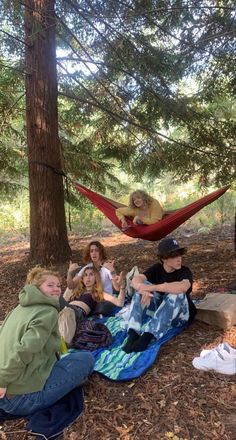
[(172, 400)]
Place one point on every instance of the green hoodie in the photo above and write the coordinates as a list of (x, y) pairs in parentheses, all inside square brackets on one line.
[(29, 340)]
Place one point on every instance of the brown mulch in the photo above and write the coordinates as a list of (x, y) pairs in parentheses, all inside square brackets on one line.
[(172, 400)]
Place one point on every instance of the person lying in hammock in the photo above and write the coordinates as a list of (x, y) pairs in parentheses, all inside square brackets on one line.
[(144, 209)]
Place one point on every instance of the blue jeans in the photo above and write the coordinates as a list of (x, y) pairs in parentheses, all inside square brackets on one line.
[(67, 374), (164, 311)]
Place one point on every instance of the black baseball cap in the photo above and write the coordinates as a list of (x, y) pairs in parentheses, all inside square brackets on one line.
[(169, 245)]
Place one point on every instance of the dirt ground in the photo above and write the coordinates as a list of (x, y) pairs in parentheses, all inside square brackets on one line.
[(172, 400)]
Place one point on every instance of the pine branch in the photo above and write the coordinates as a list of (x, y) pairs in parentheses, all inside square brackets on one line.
[(14, 68), (15, 38), (116, 116)]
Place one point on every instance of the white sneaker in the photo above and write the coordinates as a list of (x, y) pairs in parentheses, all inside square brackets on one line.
[(224, 344), (205, 351), (221, 359)]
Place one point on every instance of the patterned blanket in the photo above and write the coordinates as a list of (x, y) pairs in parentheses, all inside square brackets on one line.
[(114, 364)]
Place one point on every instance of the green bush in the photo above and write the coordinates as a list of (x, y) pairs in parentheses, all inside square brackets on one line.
[(87, 220), (15, 215)]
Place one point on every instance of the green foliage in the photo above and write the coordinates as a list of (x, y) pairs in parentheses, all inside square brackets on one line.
[(146, 50), (13, 158), (14, 218), (86, 221), (217, 213), (146, 87), (15, 215)]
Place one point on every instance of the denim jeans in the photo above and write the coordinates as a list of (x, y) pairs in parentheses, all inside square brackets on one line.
[(164, 311), (67, 374)]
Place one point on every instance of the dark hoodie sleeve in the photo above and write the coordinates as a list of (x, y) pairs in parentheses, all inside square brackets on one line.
[(63, 303)]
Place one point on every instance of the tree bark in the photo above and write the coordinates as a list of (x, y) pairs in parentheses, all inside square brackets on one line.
[(48, 234)]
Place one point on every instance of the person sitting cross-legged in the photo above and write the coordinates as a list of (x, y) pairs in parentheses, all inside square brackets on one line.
[(162, 295)]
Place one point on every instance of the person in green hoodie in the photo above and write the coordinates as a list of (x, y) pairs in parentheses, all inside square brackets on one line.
[(31, 375)]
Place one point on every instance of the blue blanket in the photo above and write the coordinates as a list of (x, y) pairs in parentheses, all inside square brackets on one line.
[(113, 363)]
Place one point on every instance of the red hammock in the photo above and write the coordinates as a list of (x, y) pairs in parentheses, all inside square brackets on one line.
[(159, 229)]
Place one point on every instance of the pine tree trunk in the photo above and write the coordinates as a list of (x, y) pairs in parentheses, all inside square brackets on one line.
[(48, 234)]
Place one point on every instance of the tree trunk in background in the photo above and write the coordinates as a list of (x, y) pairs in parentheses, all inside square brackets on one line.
[(48, 234)]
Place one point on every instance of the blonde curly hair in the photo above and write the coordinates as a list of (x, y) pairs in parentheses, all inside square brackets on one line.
[(144, 195), (39, 274)]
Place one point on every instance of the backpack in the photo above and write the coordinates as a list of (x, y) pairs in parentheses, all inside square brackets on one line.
[(91, 335), (67, 324)]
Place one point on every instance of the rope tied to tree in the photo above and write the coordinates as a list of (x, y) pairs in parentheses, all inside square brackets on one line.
[(66, 180)]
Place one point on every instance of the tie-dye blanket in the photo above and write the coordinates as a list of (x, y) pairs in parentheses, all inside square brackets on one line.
[(114, 364)]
